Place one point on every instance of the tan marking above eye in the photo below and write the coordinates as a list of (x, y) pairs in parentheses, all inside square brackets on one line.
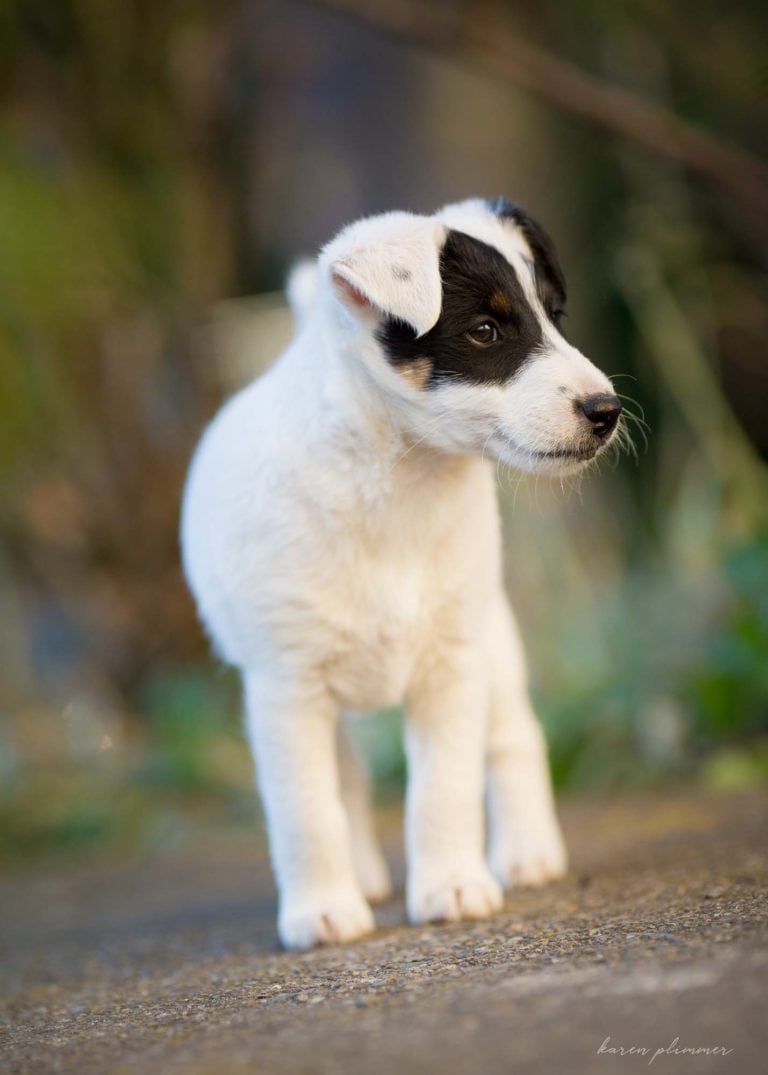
[(499, 303), (416, 373)]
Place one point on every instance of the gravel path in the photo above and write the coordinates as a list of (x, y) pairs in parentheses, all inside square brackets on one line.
[(172, 965)]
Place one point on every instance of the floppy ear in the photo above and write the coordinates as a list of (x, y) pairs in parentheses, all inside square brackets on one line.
[(550, 280), (389, 266)]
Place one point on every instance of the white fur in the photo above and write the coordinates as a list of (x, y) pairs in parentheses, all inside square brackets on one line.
[(341, 536)]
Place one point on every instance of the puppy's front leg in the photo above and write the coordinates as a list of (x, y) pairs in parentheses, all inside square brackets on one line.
[(293, 734), (445, 732)]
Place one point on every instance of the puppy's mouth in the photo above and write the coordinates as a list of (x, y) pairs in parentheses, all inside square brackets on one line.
[(580, 453), (567, 453)]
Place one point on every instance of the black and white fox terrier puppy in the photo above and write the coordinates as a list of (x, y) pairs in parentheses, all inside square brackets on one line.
[(341, 536)]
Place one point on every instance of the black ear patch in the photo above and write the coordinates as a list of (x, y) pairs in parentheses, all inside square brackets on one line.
[(479, 287), (550, 281)]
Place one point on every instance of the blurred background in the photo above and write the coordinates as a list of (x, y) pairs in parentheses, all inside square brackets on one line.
[(161, 166)]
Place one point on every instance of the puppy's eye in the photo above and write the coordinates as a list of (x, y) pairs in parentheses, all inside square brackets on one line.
[(484, 334), (557, 316)]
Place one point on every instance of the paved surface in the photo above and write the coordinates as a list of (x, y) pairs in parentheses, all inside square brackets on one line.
[(657, 941)]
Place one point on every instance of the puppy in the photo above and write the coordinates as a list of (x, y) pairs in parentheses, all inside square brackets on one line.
[(341, 536)]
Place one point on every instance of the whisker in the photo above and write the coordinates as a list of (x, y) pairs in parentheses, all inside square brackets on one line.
[(628, 441), (641, 428), (485, 445), (430, 427), (634, 403), (520, 477), (640, 422)]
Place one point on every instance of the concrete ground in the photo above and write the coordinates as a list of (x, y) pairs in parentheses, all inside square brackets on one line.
[(655, 945)]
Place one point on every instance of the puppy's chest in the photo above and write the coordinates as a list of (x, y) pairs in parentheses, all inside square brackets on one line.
[(380, 619)]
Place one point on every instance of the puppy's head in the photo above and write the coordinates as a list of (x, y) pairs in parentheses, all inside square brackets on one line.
[(457, 318)]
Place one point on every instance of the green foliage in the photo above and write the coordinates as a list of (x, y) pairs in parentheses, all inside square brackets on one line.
[(192, 729), (142, 793), (730, 689), (737, 768), (71, 812)]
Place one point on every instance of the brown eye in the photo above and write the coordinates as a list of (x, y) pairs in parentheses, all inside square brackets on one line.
[(483, 334)]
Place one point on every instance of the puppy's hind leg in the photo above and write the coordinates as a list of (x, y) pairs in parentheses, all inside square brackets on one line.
[(370, 865), (292, 728), (525, 846)]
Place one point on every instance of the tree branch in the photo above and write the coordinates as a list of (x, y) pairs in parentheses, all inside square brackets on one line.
[(493, 47)]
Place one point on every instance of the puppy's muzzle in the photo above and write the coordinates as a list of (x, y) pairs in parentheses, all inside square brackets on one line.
[(602, 412)]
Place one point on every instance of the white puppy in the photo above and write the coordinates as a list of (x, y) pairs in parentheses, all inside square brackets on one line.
[(341, 536)]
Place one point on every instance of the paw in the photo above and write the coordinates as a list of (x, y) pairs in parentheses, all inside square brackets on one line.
[(331, 919), (530, 859), (476, 895)]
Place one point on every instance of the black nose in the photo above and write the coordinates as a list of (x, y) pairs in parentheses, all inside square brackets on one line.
[(603, 412)]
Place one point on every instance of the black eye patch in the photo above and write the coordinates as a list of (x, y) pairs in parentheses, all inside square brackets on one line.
[(479, 285)]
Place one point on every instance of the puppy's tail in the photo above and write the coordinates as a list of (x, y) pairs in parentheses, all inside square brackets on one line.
[(301, 289)]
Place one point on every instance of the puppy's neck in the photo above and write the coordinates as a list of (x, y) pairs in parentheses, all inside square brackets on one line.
[(348, 414)]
